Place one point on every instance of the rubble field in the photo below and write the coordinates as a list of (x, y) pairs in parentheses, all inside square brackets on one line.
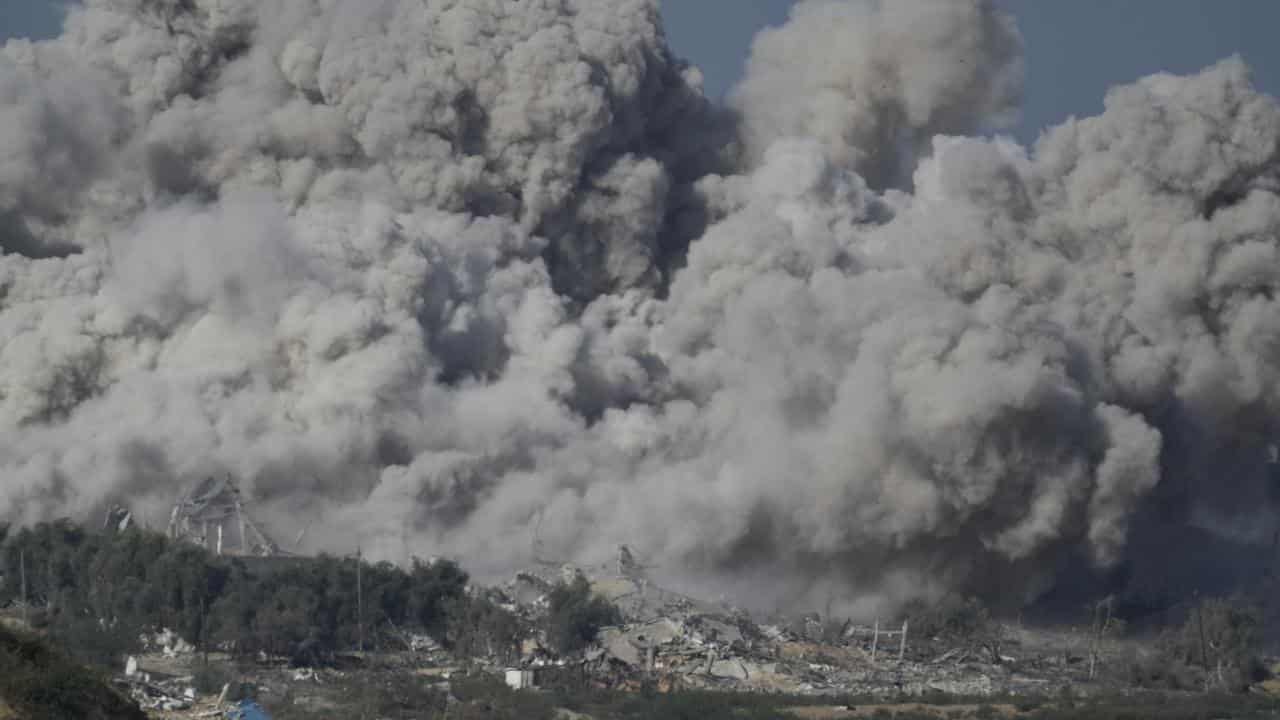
[(668, 642), (674, 641)]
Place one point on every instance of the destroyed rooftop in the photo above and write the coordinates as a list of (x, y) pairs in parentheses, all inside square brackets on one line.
[(213, 514)]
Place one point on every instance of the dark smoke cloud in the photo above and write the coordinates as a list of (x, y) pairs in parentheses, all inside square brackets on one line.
[(428, 276)]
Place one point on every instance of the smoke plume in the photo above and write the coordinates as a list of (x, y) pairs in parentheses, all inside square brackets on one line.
[(440, 277)]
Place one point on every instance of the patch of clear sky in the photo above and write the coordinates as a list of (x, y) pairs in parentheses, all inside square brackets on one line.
[(1076, 49)]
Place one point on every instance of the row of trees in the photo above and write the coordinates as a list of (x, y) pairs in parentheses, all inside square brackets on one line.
[(101, 591), (1215, 646)]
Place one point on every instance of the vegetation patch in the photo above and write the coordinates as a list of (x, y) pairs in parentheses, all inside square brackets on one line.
[(41, 683), (99, 592)]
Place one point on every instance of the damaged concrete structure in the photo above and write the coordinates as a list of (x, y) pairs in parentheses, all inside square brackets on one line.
[(668, 641), (213, 515)]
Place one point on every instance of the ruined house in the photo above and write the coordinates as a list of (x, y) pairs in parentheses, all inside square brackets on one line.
[(213, 515)]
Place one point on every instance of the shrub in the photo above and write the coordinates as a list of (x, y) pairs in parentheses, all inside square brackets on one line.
[(1214, 648)]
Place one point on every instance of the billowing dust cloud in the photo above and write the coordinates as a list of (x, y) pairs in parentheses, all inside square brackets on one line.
[(437, 276)]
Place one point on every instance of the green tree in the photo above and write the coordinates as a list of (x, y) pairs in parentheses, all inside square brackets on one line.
[(480, 628), (575, 616), (1222, 635), (434, 588), (286, 619), (137, 581)]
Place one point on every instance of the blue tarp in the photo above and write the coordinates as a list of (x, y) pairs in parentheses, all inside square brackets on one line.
[(247, 710)]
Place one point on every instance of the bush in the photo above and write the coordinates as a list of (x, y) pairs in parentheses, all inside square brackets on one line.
[(1215, 648), (1160, 671)]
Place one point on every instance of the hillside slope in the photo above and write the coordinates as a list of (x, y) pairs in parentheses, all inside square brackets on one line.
[(38, 682)]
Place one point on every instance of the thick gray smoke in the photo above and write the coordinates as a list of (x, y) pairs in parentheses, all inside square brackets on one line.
[(875, 81), (428, 276)]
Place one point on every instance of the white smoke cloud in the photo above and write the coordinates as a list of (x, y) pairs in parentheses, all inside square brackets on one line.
[(432, 275), (875, 80)]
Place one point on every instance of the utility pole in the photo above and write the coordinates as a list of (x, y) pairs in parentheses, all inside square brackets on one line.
[(201, 638), (1275, 544), (244, 539), (22, 571), (360, 598), (1204, 652)]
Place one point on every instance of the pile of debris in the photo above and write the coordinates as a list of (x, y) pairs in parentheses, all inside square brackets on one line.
[(669, 640), (156, 691)]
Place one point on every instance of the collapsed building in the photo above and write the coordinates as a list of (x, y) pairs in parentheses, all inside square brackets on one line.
[(667, 640), (213, 515)]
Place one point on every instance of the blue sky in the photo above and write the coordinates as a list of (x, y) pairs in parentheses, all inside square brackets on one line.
[(1076, 49), (22, 18)]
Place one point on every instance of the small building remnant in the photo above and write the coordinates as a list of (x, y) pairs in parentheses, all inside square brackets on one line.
[(520, 679), (213, 515)]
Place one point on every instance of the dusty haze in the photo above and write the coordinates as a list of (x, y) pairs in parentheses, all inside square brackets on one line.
[(426, 275)]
